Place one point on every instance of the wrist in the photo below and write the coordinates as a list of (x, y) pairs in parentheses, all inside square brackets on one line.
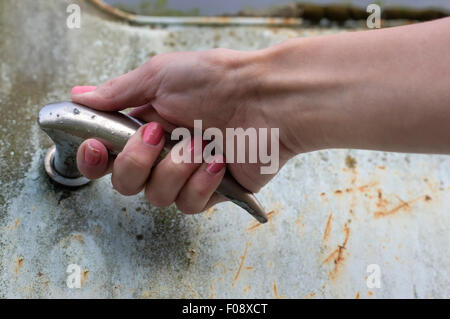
[(320, 86), (302, 94), (298, 87)]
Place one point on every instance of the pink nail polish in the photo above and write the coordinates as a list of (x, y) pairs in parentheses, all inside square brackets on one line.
[(82, 89), (153, 133), (216, 165), (92, 155)]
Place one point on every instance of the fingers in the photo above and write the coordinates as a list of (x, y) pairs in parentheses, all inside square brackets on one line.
[(169, 177), (132, 89), (197, 192), (133, 165), (92, 159), (190, 185)]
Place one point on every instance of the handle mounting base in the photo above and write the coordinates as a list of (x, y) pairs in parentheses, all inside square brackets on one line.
[(58, 178)]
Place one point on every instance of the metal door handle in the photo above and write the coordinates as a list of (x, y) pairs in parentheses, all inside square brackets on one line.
[(68, 124)]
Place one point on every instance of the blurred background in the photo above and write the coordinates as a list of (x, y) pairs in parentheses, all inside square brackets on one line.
[(234, 7)]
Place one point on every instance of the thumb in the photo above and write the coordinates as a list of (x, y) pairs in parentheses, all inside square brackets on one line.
[(128, 90)]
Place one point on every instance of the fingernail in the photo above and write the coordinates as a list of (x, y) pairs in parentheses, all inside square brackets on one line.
[(216, 165), (153, 133), (92, 155), (82, 89)]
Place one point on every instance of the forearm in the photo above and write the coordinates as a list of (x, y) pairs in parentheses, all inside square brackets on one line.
[(386, 90)]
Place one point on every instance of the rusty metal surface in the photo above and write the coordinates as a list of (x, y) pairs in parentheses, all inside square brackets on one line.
[(212, 20), (333, 213)]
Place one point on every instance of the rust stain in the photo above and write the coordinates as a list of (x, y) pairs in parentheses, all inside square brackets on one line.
[(355, 176), (210, 211), (364, 188), (299, 220), (112, 10), (224, 269), (370, 293), (338, 254), (327, 230), (381, 202), (211, 289), (19, 264), (192, 251), (247, 289), (197, 295), (357, 295), (275, 292), (310, 295), (79, 238), (270, 216), (402, 206), (191, 255), (350, 162), (43, 278), (301, 226), (241, 264), (84, 276), (16, 224), (192, 20), (331, 256)]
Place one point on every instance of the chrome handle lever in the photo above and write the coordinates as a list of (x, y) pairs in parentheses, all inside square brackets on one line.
[(68, 124)]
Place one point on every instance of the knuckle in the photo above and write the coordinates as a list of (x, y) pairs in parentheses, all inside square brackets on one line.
[(108, 90), (223, 57), (201, 191), (180, 169), (154, 65), (132, 159)]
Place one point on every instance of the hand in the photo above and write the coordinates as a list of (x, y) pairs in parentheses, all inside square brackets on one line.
[(170, 90), (350, 90)]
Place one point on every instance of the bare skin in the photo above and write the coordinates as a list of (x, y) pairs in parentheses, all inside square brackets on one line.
[(385, 90)]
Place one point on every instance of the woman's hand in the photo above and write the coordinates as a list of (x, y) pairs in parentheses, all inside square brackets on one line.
[(219, 87), (386, 89)]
